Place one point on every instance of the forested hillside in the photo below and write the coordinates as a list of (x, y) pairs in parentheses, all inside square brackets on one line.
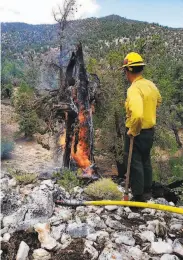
[(97, 35)]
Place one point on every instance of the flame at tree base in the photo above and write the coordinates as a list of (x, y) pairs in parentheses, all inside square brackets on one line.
[(81, 152)]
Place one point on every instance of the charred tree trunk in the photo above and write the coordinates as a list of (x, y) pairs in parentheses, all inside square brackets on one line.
[(119, 151), (79, 95), (177, 138)]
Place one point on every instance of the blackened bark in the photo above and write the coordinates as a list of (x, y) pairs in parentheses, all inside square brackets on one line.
[(175, 130)]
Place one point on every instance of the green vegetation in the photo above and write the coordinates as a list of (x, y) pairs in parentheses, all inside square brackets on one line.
[(23, 177), (110, 114), (68, 180), (24, 106), (104, 189)]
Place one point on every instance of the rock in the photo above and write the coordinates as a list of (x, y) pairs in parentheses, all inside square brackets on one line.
[(161, 201), (109, 254), (160, 247), (176, 224), (115, 216), (92, 237), (1, 217), (81, 209), (142, 227), (160, 214), (41, 254), (169, 257), (149, 211), (92, 209), (44, 237), (4, 184), (95, 221), (120, 211), (77, 190), (22, 251), (3, 231), (48, 183), (2, 174), (134, 216), (177, 216), (65, 240), (79, 230), (90, 250), (100, 237), (157, 227), (99, 210), (127, 210), (114, 224), (57, 231), (6, 237), (14, 219), (62, 216), (40, 206), (26, 190), (111, 208), (12, 183), (11, 202), (136, 254), (124, 238), (147, 236), (177, 247), (2, 196)]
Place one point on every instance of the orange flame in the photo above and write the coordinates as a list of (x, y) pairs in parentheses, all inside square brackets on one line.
[(81, 156)]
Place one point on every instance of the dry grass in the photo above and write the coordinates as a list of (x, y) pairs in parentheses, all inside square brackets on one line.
[(104, 189)]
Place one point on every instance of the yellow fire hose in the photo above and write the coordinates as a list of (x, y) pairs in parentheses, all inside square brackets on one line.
[(120, 203), (135, 204)]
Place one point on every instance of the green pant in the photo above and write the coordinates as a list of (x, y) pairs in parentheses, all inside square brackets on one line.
[(141, 169)]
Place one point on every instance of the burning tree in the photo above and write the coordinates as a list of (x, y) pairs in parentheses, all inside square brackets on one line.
[(73, 113), (69, 108)]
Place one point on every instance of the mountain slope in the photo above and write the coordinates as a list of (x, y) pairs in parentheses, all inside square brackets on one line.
[(95, 33)]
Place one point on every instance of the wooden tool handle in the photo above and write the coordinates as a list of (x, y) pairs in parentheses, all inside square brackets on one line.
[(129, 164)]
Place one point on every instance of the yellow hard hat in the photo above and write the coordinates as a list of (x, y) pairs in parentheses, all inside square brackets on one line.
[(133, 59)]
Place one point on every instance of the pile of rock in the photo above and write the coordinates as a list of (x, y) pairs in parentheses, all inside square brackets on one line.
[(109, 232)]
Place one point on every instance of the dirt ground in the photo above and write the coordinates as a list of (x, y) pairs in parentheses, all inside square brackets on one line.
[(73, 252), (27, 155), (30, 156)]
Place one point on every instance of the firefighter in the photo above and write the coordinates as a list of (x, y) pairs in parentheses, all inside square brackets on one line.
[(141, 104)]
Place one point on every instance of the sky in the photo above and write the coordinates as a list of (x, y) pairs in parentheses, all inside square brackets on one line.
[(164, 12)]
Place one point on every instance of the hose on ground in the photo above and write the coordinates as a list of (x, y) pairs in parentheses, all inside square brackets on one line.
[(135, 204), (121, 203)]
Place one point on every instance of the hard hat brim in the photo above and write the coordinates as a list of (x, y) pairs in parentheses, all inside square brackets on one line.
[(132, 65)]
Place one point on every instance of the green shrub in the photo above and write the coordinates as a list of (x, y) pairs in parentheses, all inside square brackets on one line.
[(23, 177), (104, 189), (169, 170), (28, 119), (6, 91), (7, 147), (165, 140), (176, 167), (68, 180)]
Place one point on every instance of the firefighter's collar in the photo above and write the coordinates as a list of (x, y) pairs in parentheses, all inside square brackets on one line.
[(138, 78)]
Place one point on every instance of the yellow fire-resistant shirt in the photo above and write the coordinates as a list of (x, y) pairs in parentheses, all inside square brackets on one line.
[(143, 98)]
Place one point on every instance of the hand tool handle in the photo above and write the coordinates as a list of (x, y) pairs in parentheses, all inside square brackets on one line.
[(128, 167)]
